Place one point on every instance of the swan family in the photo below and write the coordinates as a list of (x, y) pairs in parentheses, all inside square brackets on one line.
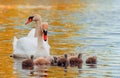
[(35, 43)]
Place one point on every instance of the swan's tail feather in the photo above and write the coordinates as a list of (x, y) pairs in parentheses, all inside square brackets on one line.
[(14, 42)]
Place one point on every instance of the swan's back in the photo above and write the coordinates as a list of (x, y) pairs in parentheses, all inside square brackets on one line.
[(26, 46)]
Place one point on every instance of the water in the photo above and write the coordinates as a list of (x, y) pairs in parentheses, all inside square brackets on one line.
[(89, 27)]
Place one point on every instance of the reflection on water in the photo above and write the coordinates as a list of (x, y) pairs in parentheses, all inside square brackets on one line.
[(44, 71), (90, 27)]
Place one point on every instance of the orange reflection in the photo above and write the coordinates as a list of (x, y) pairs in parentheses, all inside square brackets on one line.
[(13, 14)]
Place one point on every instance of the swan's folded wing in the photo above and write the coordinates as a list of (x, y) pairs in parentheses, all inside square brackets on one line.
[(14, 42), (31, 33)]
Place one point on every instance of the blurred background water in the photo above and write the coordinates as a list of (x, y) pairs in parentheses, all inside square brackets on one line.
[(89, 27)]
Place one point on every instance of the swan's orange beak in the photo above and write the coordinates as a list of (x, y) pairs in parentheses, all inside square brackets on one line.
[(28, 21), (45, 35)]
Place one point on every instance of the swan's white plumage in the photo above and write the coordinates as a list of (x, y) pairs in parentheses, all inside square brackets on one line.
[(31, 33), (33, 43), (27, 46), (14, 43)]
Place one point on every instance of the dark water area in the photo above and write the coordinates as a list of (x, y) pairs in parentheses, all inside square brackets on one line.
[(89, 27)]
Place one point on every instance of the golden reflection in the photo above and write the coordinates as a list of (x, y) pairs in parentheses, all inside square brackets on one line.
[(60, 40), (14, 13), (6, 63), (56, 23), (69, 7), (59, 72)]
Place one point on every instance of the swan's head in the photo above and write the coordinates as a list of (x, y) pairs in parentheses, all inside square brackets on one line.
[(35, 17), (44, 27)]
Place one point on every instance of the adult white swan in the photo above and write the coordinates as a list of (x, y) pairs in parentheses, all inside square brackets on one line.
[(36, 43)]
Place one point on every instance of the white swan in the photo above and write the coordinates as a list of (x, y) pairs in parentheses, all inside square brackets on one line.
[(35, 43)]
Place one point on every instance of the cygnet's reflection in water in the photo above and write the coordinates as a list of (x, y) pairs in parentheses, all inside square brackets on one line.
[(92, 65), (41, 71), (19, 69), (41, 67), (37, 71)]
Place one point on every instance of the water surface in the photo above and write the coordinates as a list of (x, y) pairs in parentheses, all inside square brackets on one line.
[(89, 27)]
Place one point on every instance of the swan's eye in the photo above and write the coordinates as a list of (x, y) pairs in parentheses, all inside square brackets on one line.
[(31, 18)]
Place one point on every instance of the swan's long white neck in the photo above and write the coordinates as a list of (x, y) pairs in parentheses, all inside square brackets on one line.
[(38, 34), (38, 28)]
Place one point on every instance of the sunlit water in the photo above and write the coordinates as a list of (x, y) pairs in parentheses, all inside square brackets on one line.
[(89, 27)]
